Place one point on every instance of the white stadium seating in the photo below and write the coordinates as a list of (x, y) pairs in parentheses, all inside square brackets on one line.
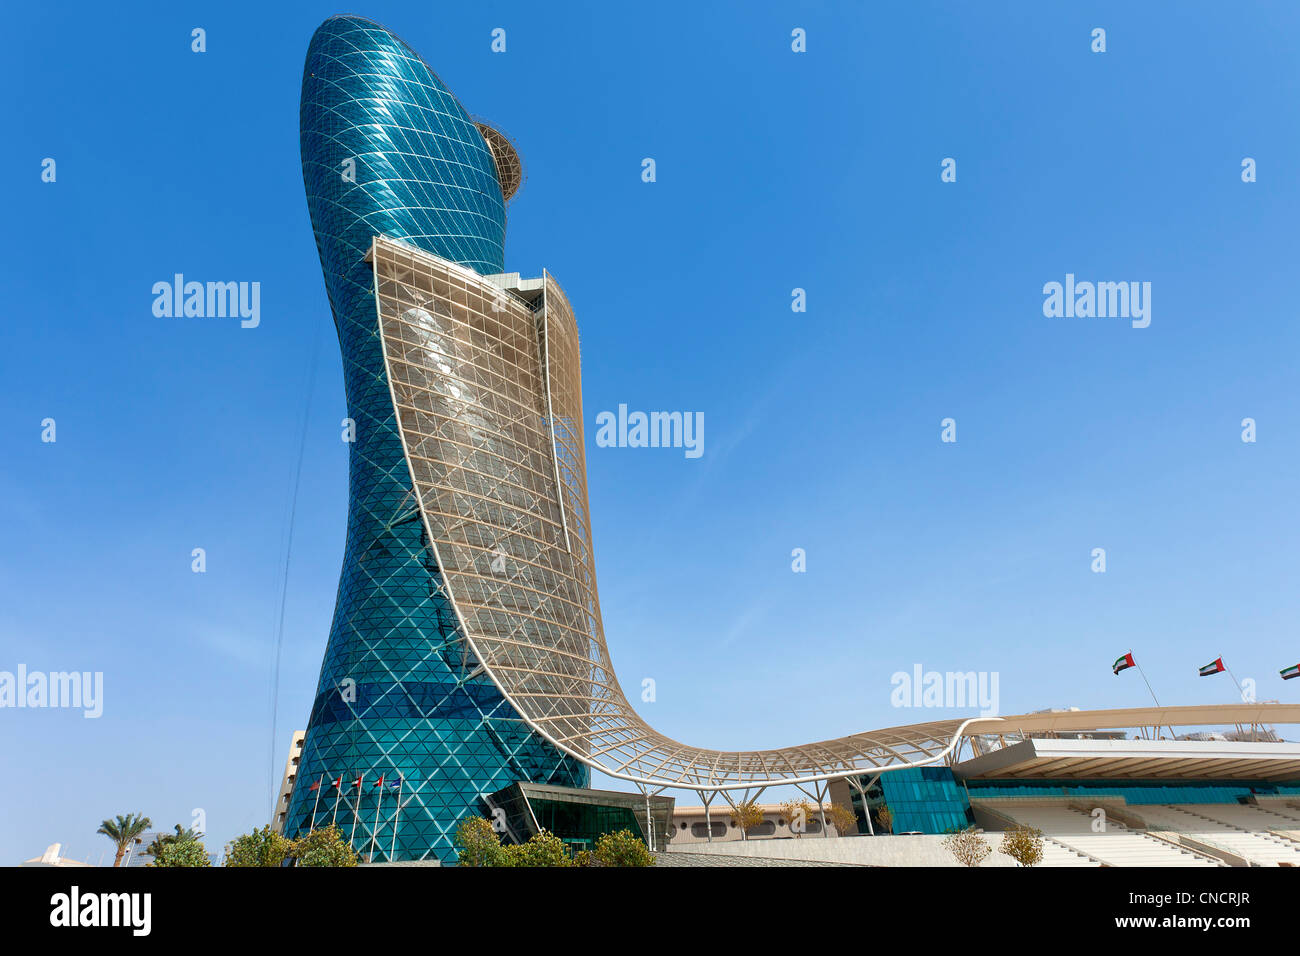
[(1240, 829), (1117, 845)]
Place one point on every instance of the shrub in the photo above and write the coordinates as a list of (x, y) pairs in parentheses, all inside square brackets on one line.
[(968, 846), (324, 846), (479, 844), (542, 849), (1023, 844), (262, 847), (181, 853), (623, 848)]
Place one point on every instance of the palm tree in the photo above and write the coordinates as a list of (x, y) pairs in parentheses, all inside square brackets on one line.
[(123, 831), (180, 836)]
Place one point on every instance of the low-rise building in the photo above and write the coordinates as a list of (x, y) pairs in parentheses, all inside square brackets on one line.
[(692, 824), (52, 857)]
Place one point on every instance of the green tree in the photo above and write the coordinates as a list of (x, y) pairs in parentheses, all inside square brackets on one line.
[(1023, 844), (123, 831), (182, 835), (181, 853), (542, 849), (262, 847), (623, 848), (479, 844), (323, 846)]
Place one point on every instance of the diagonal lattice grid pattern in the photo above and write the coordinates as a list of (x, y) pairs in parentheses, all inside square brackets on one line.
[(487, 388), (399, 695)]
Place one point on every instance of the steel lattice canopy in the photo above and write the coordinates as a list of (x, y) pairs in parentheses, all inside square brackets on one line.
[(510, 167), (486, 384)]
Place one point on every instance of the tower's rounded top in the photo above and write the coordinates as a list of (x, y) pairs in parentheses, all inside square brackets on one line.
[(510, 168)]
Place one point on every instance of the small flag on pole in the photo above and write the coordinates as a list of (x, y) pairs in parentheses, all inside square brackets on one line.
[(1124, 663), (357, 782), (316, 803), (1289, 672), (1214, 667), (337, 781), (395, 783), (380, 781)]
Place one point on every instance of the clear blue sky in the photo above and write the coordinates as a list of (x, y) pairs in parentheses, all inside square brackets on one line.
[(776, 170)]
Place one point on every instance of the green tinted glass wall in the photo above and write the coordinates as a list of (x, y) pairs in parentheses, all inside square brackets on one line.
[(387, 149), (581, 825)]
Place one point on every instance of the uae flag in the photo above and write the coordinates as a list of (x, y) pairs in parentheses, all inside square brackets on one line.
[(1214, 667), (380, 781), (337, 781), (1289, 672), (1124, 663)]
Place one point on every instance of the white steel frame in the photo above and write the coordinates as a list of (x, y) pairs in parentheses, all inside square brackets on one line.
[(479, 380), (464, 384)]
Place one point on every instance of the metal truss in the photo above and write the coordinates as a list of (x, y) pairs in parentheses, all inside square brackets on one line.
[(487, 390), (510, 166)]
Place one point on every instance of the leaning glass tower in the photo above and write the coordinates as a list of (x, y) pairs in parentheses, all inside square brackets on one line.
[(467, 651), (402, 709)]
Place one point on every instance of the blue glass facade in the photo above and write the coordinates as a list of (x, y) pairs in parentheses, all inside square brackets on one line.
[(920, 799), (387, 149), (1134, 792), (931, 800), (925, 799)]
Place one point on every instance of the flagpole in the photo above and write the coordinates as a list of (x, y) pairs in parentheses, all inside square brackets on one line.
[(338, 792), (1144, 679), (375, 829), (1241, 694), (392, 854), (316, 805), (356, 811)]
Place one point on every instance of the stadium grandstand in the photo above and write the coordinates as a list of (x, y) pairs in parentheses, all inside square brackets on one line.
[(1201, 786)]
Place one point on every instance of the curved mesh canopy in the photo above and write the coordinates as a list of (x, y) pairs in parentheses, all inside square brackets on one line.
[(510, 168), (487, 389)]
